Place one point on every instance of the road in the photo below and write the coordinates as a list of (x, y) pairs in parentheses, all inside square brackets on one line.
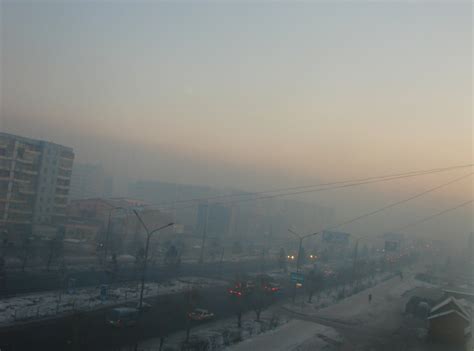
[(36, 281)]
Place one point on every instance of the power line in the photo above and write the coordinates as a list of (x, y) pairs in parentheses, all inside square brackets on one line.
[(434, 215), (400, 202), (357, 180), (386, 178), (425, 219)]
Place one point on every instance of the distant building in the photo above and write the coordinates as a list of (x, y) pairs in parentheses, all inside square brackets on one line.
[(393, 241), (35, 181), (174, 195), (89, 219), (214, 219), (88, 181)]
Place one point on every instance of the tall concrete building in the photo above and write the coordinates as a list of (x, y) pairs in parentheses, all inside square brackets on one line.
[(35, 178)]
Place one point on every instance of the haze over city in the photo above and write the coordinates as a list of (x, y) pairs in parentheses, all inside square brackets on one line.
[(217, 98), (249, 96)]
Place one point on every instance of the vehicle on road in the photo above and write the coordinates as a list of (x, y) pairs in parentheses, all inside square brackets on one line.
[(200, 314), (123, 317), (272, 287)]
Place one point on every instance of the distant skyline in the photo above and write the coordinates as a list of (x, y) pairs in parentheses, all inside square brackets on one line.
[(245, 94)]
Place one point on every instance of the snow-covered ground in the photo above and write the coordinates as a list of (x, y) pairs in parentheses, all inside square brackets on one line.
[(49, 304), (275, 331), (219, 334), (295, 335), (356, 308), (359, 321)]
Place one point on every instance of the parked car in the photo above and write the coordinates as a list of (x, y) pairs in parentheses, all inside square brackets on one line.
[(200, 314), (145, 306), (123, 317)]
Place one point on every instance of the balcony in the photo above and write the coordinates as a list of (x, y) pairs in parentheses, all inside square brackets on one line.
[(32, 172), (20, 210), (33, 151), (17, 221), (12, 200), (66, 167), (22, 181), (62, 187), (68, 155), (26, 191), (64, 177), (28, 161)]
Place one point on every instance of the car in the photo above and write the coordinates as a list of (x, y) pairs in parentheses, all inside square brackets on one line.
[(236, 290), (272, 287), (200, 314), (123, 317)]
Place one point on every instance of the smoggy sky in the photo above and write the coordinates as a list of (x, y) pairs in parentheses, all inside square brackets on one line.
[(245, 94)]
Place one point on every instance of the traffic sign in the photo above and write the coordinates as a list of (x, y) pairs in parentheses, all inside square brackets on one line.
[(297, 277)]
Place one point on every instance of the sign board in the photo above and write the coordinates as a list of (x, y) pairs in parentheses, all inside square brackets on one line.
[(297, 277)]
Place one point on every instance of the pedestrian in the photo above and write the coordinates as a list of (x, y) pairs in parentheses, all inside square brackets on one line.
[(370, 298)]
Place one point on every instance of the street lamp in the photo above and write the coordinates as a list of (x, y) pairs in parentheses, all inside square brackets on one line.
[(149, 233), (299, 258)]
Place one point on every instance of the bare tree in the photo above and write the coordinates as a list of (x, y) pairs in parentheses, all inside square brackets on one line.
[(282, 260), (259, 297), (314, 284), (26, 251)]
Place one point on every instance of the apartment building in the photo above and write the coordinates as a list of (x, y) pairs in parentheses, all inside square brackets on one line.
[(35, 178)]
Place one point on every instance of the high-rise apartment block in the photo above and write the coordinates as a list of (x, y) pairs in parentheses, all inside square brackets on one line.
[(35, 178)]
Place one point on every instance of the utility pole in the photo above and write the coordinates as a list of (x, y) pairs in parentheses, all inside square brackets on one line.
[(354, 261), (204, 234), (220, 262)]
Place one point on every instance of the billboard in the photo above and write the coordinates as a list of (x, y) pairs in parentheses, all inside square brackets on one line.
[(336, 237)]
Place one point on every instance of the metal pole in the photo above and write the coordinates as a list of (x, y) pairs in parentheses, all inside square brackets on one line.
[(106, 244), (297, 266), (220, 263), (354, 263), (147, 245), (298, 262), (204, 234), (140, 304)]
